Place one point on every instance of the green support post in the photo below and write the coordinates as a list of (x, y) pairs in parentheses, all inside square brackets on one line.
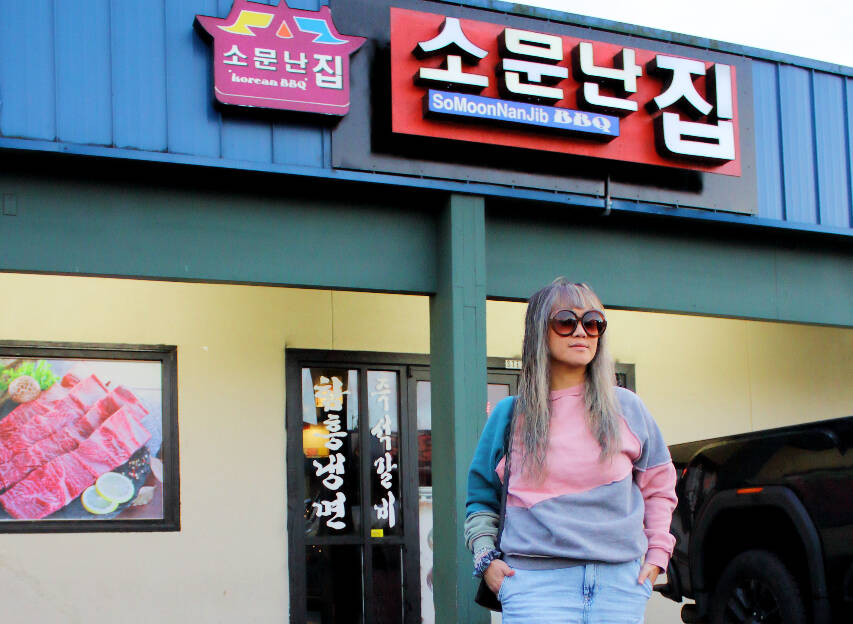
[(458, 374)]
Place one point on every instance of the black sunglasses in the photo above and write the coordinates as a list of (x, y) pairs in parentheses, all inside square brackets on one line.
[(565, 322)]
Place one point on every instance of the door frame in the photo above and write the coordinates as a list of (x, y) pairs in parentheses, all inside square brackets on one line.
[(412, 368)]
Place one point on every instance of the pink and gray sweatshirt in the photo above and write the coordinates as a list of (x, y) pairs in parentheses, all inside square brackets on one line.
[(584, 509)]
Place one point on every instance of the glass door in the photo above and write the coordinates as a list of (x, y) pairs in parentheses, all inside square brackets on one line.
[(350, 527), (359, 436), (500, 386)]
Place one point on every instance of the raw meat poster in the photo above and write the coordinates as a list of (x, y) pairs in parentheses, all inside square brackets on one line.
[(80, 439)]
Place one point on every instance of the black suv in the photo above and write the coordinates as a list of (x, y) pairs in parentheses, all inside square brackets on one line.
[(764, 526)]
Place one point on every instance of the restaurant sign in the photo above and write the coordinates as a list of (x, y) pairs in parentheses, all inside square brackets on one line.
[(280, 58), (488, 83)]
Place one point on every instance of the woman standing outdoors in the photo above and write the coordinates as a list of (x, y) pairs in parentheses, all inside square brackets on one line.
[(591, 488)]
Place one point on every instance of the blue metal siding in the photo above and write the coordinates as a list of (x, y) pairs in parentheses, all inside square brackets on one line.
[(27, 77), (83, 74), (306, 5), (131, 75), (138, 74), (297, 144), (135, 76), (244, 139), (768, 153), (193, 123), (798, 155), (848, 103), (832, 164)]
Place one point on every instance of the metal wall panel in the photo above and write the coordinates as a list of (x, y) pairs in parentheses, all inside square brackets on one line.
[(83, 76), (27, 78), (798, 156), (137, 33), (244, 138), (707, 273), (193, 123), (195, 232), (297, 144), (848, 102), (831, 149), (305, 5), (803, 275), (135, 75), (768, 153)]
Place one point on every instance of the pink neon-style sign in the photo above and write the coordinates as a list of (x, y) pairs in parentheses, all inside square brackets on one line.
[(277, 57)]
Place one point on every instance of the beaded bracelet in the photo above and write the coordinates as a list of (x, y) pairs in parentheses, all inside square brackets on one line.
[(484, 559)]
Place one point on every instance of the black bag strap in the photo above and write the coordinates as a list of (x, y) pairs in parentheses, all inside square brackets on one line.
[(508, 446)]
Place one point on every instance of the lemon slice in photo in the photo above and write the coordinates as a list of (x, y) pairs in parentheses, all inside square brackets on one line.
[(115, 487), (96, 504)]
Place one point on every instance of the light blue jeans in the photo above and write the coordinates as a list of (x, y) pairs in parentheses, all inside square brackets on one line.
[(596, 593)]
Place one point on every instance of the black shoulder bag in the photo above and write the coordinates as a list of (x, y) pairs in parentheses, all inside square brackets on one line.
[(485, 597)]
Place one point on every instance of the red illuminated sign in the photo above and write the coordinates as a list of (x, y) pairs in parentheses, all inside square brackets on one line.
[(488, 83)]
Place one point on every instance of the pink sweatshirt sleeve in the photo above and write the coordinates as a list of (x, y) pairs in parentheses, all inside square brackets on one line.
[(657, 485)]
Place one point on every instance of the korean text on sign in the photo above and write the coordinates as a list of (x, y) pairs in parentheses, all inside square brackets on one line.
[(278, 57), (329, 396), (669, 110), (383, 402)]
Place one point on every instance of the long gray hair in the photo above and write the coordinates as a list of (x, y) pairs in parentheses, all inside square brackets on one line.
[(534, 404)]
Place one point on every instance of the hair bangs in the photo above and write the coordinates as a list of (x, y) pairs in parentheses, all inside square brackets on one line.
[(568, 295)]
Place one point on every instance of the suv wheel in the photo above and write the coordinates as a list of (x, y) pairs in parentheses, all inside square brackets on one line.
[(757, 588)]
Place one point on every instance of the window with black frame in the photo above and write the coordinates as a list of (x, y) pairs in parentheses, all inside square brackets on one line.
[(88, 437)]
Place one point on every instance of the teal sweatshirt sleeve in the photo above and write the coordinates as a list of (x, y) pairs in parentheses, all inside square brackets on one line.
[(484, 487)]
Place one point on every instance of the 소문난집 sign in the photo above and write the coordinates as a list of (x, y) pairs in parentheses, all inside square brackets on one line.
[(489, 83), (280, 58)]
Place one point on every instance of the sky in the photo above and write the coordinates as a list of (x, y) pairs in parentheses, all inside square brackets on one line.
[(817, 29)]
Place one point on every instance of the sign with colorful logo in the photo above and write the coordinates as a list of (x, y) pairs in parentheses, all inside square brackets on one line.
[(489, 83), (277, 57)]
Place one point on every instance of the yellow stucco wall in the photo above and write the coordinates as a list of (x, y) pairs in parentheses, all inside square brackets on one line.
[(229, 562), (701, 377), (704, 377)]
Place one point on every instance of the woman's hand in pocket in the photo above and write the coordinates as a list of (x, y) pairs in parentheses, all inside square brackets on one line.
[(649, 571), (495, 574)]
